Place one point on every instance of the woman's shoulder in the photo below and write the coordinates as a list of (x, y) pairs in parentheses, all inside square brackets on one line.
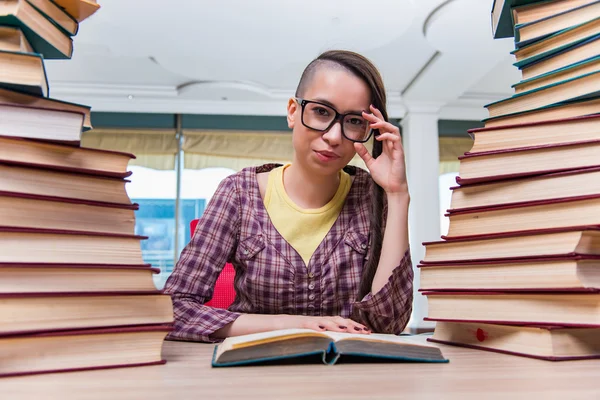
[(248, 174)]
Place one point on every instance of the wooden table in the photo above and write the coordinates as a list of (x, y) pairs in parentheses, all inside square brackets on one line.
[(471, 374)]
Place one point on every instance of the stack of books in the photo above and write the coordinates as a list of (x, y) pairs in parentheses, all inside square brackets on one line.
[(74, 291), (519, 270)]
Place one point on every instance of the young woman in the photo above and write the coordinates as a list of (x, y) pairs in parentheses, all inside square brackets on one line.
[(315, 244)]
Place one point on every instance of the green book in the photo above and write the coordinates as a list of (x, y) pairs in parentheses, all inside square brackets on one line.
[(556, 51), (45, 38), (502, 18), (306, 346), (23, 72), (582, 87), (564, 69)]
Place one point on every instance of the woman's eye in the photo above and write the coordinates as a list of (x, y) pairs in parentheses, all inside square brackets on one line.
[(321, 111), (356, 121)]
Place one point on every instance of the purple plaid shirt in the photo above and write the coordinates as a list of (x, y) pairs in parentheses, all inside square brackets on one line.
[(271, 277)]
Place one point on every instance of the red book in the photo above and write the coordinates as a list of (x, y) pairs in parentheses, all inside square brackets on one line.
[(59, 157), (577, 309), (497, 165), (53, 246), (552, 343), (568, 273), (74, 278), (583, 128), (31, 312), (78, 350), (530, 216), (543, 243)]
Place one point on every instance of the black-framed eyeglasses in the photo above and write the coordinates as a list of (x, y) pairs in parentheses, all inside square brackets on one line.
[(321, 117)]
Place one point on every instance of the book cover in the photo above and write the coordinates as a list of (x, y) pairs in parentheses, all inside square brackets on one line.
[(38, 42), (564, 69), (78, 350), (584, 10), (51, 3), (305, 345), (538, 58), (42, 91)]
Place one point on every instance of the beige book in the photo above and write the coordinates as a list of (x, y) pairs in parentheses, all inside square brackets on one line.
[(45, 352), (584, 182), (17, 210), (38, 278), (566, 273), (580, 129), (568, 72), (550, 214), (43, 182), (13, 39), (64, 158), (535, 245), (565, 309), (568, 57), (40, 312), (540, 10), (497, 165), (17, 247), (559, 40), (539, 342), (557, 22)]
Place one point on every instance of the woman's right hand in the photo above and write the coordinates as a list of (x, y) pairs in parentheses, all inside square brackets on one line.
[(334, 324)]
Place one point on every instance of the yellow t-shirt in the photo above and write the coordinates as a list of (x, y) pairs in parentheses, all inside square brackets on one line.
[(303, 229)]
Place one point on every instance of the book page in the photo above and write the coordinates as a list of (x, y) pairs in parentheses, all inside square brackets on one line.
[(254, 339), (378, 337)]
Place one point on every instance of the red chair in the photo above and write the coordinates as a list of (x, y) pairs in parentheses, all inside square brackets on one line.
[(224, 291)]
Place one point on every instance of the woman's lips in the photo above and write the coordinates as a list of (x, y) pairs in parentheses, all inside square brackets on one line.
[(326, 156)]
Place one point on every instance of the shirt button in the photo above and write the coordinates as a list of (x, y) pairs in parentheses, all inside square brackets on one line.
[(245, 251), (311, 275), (311, 297), (311, 286), (363, 246)]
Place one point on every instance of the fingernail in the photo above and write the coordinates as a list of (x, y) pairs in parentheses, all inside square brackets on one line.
[(356, 328), (321, 327), (342, 327)]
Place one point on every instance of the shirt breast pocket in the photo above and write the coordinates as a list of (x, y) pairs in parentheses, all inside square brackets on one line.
[(266, 280), (358, 243), (250, 248)]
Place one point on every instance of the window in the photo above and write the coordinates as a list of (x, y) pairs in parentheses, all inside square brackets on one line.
[(156, 193)]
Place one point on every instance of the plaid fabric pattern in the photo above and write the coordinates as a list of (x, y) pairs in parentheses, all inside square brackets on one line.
[(271, 277)]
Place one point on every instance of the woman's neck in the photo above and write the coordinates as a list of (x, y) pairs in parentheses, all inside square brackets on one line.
[(309, 190)]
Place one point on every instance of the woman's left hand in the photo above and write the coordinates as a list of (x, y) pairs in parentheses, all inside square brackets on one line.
[(387, 170)]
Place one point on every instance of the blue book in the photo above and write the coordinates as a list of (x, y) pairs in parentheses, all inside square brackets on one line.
[(294, 346)]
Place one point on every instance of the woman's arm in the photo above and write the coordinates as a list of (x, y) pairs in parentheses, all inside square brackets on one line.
[(389, 305), (192, 282), (254, 323), (395, 239)]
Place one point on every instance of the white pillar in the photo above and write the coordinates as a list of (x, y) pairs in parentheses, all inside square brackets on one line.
[(420, 140)]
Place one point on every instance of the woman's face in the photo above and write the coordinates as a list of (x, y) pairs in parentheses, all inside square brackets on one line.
[(328, 152)]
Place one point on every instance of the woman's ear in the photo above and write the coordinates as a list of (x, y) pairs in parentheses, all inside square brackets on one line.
[(292, 107)]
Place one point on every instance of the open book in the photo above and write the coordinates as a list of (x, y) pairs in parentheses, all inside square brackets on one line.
[(305, 345)]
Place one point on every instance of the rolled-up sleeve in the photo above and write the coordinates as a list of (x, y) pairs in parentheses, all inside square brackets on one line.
[(389, 310), (192, 282)]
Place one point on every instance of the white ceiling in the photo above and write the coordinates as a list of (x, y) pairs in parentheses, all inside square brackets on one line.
[(246, 56)]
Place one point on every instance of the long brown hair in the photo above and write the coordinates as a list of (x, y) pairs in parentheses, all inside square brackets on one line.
[(364, 69)]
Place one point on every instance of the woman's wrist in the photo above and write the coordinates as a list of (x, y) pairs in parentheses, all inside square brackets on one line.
[(401, 196)]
